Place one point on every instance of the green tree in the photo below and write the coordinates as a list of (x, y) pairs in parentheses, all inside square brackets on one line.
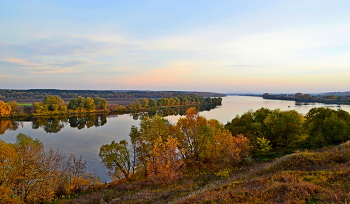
[(144, 137), (144, 102), (118, 159), (284, 127), (90, 104), (152, 103), (103, 103), (251, 125), (263, 145), (327, 127), (14, 107), (53, 102)]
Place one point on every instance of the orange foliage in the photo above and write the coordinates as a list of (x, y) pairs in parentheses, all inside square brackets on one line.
[(206, 143), (4, 109), (226, 150), (30, 173), (166, 164), (4, 125)]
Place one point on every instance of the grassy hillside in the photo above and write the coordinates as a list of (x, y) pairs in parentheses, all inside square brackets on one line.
[(321, 176)]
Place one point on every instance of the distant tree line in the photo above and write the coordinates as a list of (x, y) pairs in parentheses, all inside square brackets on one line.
[(174, 101), (41, 93), (333, 99)]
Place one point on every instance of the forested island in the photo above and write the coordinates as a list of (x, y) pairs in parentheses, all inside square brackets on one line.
[(262, 156), (329, 98), (55, 105)]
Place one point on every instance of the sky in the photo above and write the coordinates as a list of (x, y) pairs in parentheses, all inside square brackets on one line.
[(233, 46)]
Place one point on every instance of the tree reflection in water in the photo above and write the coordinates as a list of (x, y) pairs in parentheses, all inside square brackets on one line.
[(171, 111), (55, 124), (9, 125)]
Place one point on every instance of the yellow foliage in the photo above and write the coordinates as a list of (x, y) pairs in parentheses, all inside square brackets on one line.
[(4, 109), (29, 173), (166, 164), (4, 125)]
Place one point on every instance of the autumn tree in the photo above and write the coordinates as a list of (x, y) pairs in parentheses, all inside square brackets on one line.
[(118, 159), (30, 173), (165, 166), (193, 135), (205, 142), (144, 137), (8, 159), (4, 109), (33, 182)]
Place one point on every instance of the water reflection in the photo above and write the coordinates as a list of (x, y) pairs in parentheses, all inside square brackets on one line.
[(299, 103), (170, 111), (54, 124), (9, 125)]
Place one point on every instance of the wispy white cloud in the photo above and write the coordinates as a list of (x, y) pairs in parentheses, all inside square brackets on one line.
[(56, 71), (19, 61)]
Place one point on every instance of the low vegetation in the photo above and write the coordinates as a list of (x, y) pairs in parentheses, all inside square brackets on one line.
[(320, 176)]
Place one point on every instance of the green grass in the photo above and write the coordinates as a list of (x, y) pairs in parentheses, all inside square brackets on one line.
[(23, 104)]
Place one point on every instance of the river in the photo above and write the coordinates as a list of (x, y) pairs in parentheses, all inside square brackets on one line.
[(85, 140)]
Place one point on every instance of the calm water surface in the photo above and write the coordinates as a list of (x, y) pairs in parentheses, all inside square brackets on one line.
[(87, 141)]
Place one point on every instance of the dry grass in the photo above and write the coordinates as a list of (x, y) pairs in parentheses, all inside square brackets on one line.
[(321, 176)]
